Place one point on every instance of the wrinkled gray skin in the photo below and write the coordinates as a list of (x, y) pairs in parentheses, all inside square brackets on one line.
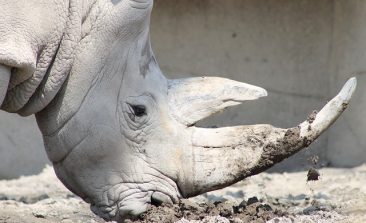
[(120, 135)]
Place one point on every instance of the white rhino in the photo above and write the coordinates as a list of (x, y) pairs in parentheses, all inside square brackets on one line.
[(119, 134)]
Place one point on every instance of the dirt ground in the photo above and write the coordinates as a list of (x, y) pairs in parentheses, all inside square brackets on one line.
[(338, 196)]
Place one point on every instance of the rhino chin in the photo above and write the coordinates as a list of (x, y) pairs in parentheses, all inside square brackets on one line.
[(132, 206), (107, 213), (129, 208)]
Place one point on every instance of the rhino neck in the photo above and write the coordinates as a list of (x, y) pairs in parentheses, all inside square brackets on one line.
[(53, 61), (60, 68)]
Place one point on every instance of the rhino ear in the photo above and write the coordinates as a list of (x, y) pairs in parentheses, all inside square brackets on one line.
[(193, 99)]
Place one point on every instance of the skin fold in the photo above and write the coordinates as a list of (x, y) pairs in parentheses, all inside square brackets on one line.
[(120, 135)]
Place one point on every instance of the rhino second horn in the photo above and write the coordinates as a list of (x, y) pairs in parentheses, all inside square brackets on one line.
[(223, 156), (193, 99)]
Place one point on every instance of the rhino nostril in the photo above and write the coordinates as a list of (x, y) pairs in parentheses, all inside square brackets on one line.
[(158, 198)]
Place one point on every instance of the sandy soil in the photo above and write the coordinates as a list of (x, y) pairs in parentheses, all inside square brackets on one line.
[(338, 196)]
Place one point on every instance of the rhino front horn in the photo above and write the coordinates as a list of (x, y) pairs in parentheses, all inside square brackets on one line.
[(222, 156)]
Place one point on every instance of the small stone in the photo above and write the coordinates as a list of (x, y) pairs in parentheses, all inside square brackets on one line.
[(243, 204), (251, 210), (39, 214), (226, 209), (265, 207), (190, 206), (252, 200), (313, 175)]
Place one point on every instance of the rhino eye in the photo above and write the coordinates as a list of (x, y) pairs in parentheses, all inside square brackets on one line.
[(136, 111), (139, 110)]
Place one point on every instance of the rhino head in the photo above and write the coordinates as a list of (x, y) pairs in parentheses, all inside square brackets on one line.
[(122, 136)]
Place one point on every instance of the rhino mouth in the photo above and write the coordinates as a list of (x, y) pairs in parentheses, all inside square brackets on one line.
[(133, 205)]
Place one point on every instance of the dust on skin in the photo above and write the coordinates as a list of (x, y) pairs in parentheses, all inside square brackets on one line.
[(276, 152), (312, 117)]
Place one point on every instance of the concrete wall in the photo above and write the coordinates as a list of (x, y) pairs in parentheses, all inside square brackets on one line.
[(21, 146), (347, 139), (300, 51)]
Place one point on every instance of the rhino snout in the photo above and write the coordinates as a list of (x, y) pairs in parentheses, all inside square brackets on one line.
[(133, 205)]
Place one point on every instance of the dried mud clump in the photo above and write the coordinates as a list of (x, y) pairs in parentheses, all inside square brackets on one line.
[(313, 160), (312, 117), (276, 152), (313, 175), (251, 210)]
